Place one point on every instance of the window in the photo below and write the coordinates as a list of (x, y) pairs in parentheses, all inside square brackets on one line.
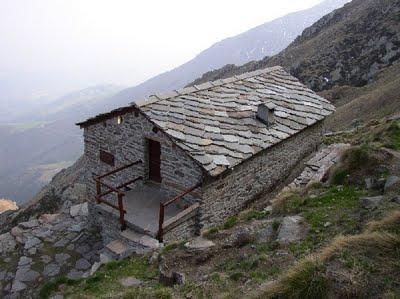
[(107, 158)]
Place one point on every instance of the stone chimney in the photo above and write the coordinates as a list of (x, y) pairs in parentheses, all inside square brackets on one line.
[(265, 113)]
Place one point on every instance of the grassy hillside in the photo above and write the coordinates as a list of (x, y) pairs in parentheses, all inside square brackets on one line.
[(349, 251)]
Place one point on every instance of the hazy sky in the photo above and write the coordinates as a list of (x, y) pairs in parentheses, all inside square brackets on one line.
[(87, 42)]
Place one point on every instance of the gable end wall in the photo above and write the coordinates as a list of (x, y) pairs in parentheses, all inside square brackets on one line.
[(128, 143)]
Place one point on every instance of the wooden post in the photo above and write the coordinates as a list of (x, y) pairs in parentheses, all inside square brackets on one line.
[(121, 211), (98, 188), (160, 223)]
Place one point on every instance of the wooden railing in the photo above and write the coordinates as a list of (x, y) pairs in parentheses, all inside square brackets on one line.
[(161, 219), (100, 196)]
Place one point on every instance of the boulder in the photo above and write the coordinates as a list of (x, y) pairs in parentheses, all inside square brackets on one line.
[(17, 286), (396, 199), (392, 184), (61, 258), (31, 242), (79, 210), (7, 243), (371, 202), (130, 282), (49, 218), (25, 274), (292, 229), (51, 270), (95, 267), (29, 224), (24, 261), (199, 244), (82, 264)]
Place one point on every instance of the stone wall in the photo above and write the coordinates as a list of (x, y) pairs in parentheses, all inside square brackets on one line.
[(230, 193), (128, 143)]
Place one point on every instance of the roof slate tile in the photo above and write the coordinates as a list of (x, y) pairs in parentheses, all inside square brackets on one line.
[(215, 122)]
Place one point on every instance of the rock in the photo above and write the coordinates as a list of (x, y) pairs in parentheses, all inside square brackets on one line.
[(82, 249), (199, 244), (62, 242), (32, 251), (268, 209), (7, 243), (61, 258), (51, 270), (29, 224), (396, 199), (74, 274), (25, 274), (94, 268), (327, 224), (45, 259), (82, 264), (243, 238), (392, 184), (79, 210), (154, 257), (369, 183), (371, 202), (292, 229), (265, 234), (49, 218), (31, 242), (105, 258), (76, 228), (41, 233), (179, 278), (17, 286), (130, 282), (23, 261), (16, 232)]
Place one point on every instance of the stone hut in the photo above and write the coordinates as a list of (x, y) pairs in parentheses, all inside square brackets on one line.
[(168, 166)]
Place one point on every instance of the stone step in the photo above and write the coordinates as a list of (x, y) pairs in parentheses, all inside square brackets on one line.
[(140, 243), (118, 250)]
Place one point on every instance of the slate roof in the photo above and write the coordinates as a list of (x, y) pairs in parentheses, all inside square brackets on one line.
[(215, 122)]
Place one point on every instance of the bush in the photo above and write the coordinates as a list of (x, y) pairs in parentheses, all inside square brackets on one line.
[(339, 176)]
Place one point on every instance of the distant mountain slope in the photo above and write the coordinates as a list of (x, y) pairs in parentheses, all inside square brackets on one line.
[(347, 47), (32, 151), (264, 40)]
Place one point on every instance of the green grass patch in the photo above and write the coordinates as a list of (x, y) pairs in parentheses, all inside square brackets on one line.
[(254, 215), (230, 222), (333, 210), (51, 286), (394, 135), (105, 281)]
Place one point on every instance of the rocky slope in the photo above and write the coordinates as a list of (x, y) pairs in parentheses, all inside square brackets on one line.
[(346, 47), (66, 188)]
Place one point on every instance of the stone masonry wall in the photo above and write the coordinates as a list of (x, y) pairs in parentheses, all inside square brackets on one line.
[(229, 194), (128, 142)]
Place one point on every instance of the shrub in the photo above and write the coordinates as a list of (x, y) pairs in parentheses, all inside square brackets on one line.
[(339, 176), (236, 276)]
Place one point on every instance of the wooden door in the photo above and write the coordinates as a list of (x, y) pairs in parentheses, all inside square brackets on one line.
[(154, 161)]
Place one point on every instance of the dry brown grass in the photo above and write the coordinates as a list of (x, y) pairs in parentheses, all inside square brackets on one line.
[(309, 277)]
